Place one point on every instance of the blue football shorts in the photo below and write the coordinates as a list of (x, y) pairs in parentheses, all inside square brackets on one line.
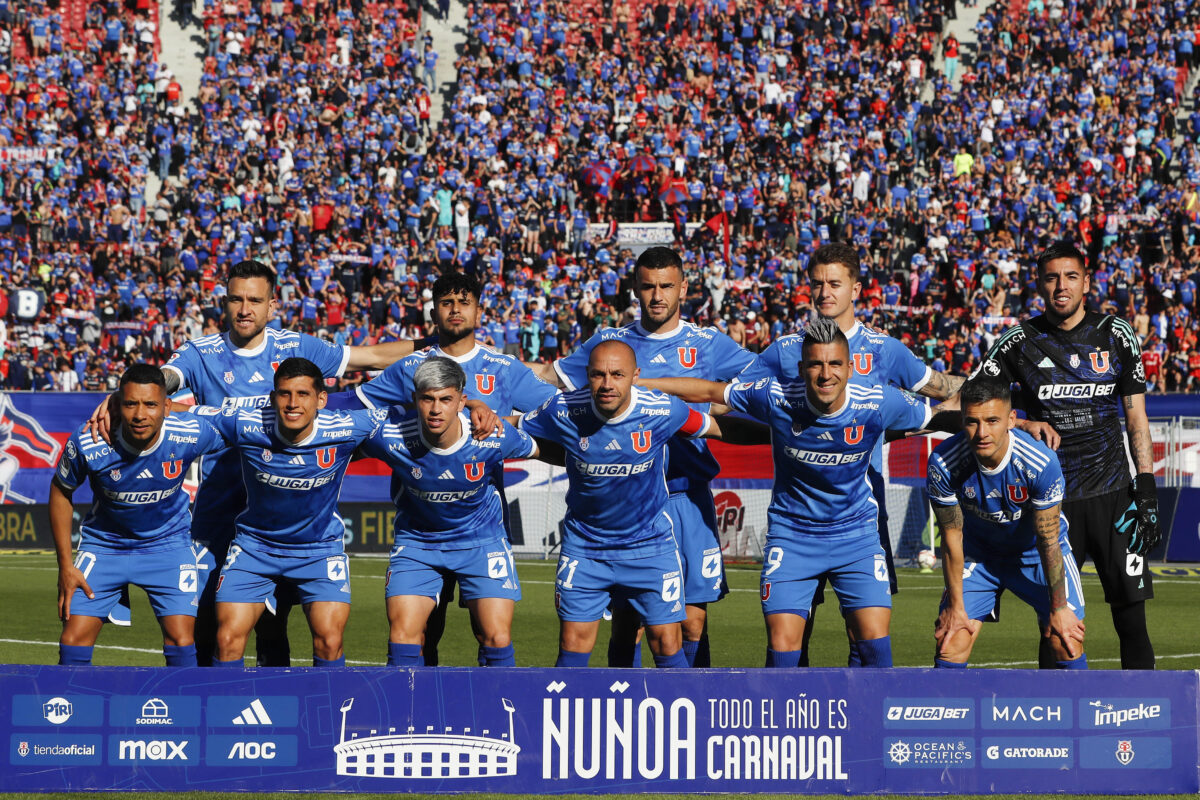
[(985, 580), (249, 576), (794, 564), (652, 586), (484, 571), (168, 575), (695, 523)]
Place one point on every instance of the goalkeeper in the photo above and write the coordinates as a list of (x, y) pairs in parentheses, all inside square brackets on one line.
[(1077, 368)]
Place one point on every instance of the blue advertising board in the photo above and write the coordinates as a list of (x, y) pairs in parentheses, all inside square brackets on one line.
[(537, 731)]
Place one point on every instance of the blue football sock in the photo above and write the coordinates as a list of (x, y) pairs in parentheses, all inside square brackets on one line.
[(689, 652), (72, 655), (180, 655), (1078, 663), (943, 664), (620, 654), (404, 655), (855, 659), (703, 654), (637, 655), (876, 652), (497, 656), (337, 662), (568, 659), (675, 660), (783, 658), (237, 663)]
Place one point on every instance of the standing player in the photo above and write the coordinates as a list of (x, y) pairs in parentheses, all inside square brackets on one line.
[(234, 369), (450, 516), (666, 346), (823, 518), (997, 494), (137, 529), (1073, 364), (619, 544), (497, 384), (293, 456)]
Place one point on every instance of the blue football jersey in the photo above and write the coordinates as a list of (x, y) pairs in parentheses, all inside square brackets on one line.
[(444, 499), (138, 498), (616, 470), (292, 489), (821, 460), (876, 359), (499, 380), (994, 501), (220, 374), (689, 351)]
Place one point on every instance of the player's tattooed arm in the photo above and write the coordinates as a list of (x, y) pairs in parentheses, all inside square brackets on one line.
[(1137, 429), (1063, 624), (941, 385), (953, 619)]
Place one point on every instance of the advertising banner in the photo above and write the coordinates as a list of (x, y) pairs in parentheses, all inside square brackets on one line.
[(529, 731)]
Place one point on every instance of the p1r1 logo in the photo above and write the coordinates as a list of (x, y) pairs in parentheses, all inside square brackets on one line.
[(60, 711), (929, 712), (57, 710)]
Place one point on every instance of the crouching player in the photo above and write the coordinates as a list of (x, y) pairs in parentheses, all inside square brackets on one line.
[(450, 516), (293, 456), (1011, 536), (137, 531)]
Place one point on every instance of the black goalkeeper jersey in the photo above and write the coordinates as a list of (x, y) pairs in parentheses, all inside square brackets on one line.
[(1075, 380)]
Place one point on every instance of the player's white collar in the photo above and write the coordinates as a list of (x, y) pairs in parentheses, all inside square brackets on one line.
[(246, 352), (679, 327), (1003, 462), (120, 437), (845, 404), (307, 440), (464, 358), (633, 401), (855, 329), (454, 448)]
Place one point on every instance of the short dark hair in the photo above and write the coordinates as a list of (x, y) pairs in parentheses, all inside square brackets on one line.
[(144, 373), (1061, 249), (449, 283), (659, 258), (837, 253), (296, 367), (251, 269), (983, 389)]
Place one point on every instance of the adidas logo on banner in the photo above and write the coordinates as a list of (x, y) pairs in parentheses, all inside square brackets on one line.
[(296, 460), (1046, 363), (658, 359), (827, 436), (256, 377), (145, 474), (254, 714), (446, 476), (613, 445)]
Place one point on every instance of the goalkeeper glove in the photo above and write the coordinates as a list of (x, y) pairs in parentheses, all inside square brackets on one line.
[(1140, 520)]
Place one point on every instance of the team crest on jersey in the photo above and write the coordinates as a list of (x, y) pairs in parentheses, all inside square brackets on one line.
[(1074, 360), (229, 376), (266, 454), (687, 357), (863, 363), (416, 473), (486, 384), (765, 592), (969, 492), (1099, 360), (641, 440), (1018, 494), (326, 457), (853, 434), (274, 366), (172, 469), (115, 474), (474, 470), (583, 443)]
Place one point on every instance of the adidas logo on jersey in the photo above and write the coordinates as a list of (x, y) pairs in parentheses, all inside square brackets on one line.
[(994, 493), (296, 460), (827, 436), (446, 476), (1046, 363), (613, 445), (658, 359), (256, 377), (145, 474)]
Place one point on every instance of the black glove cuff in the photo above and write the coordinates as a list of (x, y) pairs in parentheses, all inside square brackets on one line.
[(1143, 487)]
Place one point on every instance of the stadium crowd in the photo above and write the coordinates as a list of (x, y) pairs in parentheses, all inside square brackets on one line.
[(758, 130)]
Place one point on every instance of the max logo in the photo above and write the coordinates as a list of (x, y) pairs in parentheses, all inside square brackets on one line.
[(1018, 494), (641, 440), (474, 470), (863, 363), (486, 384), (172, 469), (325, 457), (854, 434), (1099, 360), (687, 357)]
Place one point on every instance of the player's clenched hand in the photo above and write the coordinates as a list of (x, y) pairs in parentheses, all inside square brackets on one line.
[(1067, 628), (484, 421), (1041, 430), (99, 423), (1140, 520), (69, 579)]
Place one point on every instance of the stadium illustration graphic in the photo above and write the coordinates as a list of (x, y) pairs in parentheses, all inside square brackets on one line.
[(427, 755)]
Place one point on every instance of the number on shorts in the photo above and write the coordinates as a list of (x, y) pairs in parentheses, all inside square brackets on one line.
[(569, 566), (497, 567), (774, 559), (232, 555), (672, 588), (84, 563), (711, 566)]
